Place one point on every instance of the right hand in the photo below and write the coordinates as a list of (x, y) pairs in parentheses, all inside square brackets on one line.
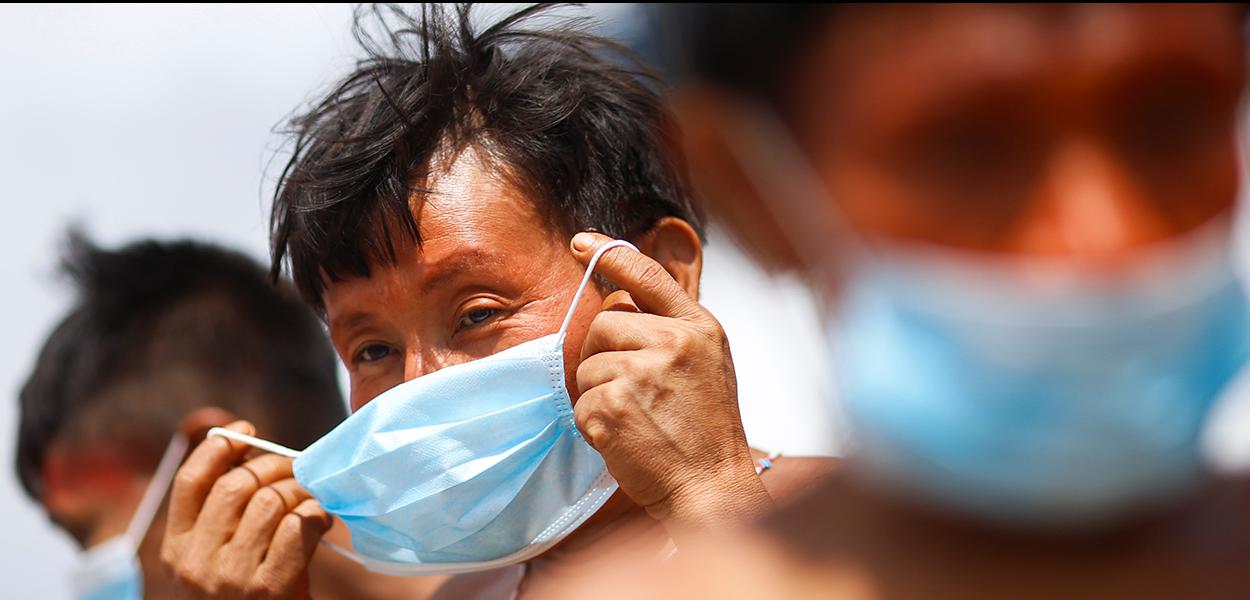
[(240, 528)]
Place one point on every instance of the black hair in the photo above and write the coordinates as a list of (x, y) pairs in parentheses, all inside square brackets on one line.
[(746, 48), (566, 116), (159, 329)]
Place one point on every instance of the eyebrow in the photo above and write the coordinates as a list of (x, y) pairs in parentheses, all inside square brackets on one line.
[(448, 269), (349, 320)]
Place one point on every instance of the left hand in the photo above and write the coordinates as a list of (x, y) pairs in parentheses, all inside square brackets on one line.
[(659, 398)]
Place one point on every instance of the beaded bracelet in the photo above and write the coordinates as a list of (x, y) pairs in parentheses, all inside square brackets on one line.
[(766, 463)]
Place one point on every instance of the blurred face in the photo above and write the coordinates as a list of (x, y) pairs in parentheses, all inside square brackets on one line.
[(92, 492), (1082, 132), (490, 274)]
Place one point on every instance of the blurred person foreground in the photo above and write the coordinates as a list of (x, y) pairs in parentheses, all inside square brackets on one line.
[(1021, 220)]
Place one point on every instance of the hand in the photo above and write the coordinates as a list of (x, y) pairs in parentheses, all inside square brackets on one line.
[(240, 529), (659, 399)]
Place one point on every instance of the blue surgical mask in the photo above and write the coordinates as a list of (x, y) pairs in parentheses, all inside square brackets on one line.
[(1065, 407), (472, 467), (1018, 392), (110, 570)]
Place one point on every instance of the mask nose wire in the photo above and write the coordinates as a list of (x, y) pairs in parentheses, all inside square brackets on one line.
[(590, 270), (157, 486), (254, 442)]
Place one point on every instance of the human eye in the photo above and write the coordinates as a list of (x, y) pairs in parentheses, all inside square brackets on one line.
[(371, 353), (474, 317)]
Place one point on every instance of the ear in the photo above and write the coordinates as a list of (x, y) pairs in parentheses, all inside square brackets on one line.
[(195, 424), (706, 115), (673, 243)]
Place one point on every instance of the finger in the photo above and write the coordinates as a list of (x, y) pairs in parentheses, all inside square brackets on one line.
[(620, 301), (293, 545), (598, 413), (260, 520), (615, 331), (602, 368), (652, 288), (232, 493), (208, 462)]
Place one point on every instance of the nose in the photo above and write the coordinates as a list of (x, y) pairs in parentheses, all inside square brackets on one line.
[(1090, 208), (418, 362)]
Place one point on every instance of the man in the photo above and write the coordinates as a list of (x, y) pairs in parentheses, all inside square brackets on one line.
[(427, 214), (165, 340), (1021, 218)]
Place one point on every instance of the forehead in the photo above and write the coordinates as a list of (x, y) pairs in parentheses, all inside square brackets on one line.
[(470, 215), (893, 60)]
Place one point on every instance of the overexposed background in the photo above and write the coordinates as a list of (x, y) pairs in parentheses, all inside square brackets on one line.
[(140, 121)]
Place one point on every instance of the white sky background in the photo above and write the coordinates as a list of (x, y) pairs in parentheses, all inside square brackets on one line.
[(156, 121)]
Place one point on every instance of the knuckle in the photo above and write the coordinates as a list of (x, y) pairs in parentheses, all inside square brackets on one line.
[(651, 273), (600, 322), (597, 433), (652, 279), (592, 425), (292, 524), (169, 556), (188, 476), (683, 339), (264, 585), (614, 406), (667, 337), (184, 574), (268, 501), (632, 364), (233, 486)]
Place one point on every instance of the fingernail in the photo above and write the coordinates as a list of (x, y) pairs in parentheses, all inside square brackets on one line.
[(583, 241)]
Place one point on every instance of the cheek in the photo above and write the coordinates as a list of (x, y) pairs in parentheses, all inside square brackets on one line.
[(365, 389)]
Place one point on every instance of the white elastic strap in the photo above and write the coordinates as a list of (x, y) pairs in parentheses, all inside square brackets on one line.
[(254, 442), (590, 270), (795, 191), (157, 486)]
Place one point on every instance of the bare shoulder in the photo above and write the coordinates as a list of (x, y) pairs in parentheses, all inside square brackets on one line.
[(792, 475)]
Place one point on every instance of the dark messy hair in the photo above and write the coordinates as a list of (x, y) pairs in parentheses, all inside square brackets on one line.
[(743, 47), (565, 116), (159, 329)]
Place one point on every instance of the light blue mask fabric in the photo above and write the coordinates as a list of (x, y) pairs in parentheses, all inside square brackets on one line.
[(1065, 411), (472, 467), (110, 570), (1007, 393)]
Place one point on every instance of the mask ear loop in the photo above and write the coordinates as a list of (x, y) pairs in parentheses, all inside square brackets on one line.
[(280, 450), (796, 195), (590, 270), (254, 442), (155, 494)]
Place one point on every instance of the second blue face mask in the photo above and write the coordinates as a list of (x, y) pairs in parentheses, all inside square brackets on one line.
[(1065, 410), (472, 467)]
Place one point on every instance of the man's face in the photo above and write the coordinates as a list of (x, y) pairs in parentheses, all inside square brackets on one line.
[(91, 490), (1081, 132), (490, 273)]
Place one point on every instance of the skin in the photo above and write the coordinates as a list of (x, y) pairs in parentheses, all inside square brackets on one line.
[(490, 274), (1082, 135), (92, 491)]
